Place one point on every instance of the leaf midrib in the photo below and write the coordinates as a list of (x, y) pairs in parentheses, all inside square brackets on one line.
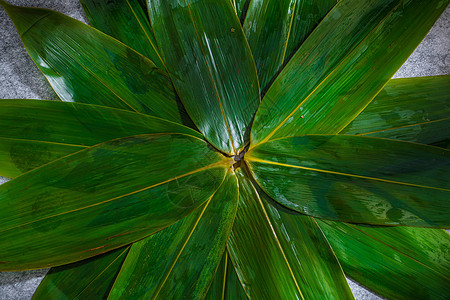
[(218, 164), (267, 138), (212, 80), (397, 250), (267, 218), (250, 158)]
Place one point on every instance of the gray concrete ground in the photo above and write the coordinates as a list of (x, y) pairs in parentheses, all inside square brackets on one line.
[(20, 78)]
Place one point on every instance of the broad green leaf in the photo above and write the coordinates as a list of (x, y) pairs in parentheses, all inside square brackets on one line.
[(395, 262), (342, 66), (36, 132), (126, 20), (356, 179), (226, 284), (409, 109), (87, 279), (84, 65), (179, 262), (104, 197), (211, 66), (279, 255), (276, 28)]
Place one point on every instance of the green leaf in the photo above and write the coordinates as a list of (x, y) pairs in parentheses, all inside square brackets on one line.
[(84, 65), (356, 179), (241, 8), (279, 255), (104, 197), (395, 262), (125, 20), (408, 109), (36, 132), (87, 279), (276, 28), (180, 261), (342, 66), (211, 66), (226, 283)]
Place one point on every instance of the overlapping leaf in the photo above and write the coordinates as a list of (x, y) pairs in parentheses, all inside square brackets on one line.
[(342, 66), (241, 7), (409, 109), (180, 261), (226, 284), (210, 65), (87, 279), (356, 179), (395, 262), (276, 28), (104, 197), (33, 133), (278, 255), (84, 65), (127, 21)]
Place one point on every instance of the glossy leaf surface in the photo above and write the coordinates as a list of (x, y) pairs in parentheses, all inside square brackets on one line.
[(342, 66), (211, 66), (84, 65), (276, 28), (226, 283), (87, 279), (409, 109), (126, 20), (356, 179), (36, 132), (179, 262), (395, 262), (278, 255), (104, 197)]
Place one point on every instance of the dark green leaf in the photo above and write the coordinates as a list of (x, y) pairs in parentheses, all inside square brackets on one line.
[(278, 255), (356, 179), (226, 284), (104, 197), (126, 20), (179, 262), (87, 279), (342, 66), (211, 66), (409, 109), (395, 262), (36, 132), (241, 7), (84, 65), (276, 28)]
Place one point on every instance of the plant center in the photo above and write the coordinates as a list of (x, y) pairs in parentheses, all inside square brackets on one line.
[(238, 159)]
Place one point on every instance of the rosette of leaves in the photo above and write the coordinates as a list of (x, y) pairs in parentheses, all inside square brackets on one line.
[(228, 149)]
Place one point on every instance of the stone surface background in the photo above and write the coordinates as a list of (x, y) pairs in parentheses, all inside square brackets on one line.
[(20, 78)]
